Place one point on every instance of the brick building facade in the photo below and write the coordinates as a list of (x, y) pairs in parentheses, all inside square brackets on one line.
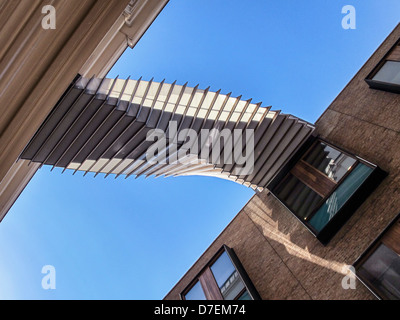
[(277, 251)]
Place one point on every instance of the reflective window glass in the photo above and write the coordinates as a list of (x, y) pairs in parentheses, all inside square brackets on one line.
[(339, 197), (298, 197), (382, 271), (227, 277), (390, 73), (329, 161), (195, 293)]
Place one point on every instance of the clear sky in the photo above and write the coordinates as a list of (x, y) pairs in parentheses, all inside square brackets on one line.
[(135, 238)]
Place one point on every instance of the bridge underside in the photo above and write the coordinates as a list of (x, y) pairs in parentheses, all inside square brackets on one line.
[(135, 127)]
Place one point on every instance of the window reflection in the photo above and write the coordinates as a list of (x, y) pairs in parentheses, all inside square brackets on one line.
[(382, 271), (390, 73), (227, 277), (298, 197), (329, 161), (196, 293), (321, 184), (339, 197), (222, 278)]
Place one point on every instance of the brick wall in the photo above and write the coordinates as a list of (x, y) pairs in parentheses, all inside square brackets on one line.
[(281, 257)]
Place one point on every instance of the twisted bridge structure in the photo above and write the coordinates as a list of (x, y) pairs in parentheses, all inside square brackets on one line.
[(108, 126)]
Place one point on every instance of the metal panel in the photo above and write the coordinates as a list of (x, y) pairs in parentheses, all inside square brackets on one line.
[(101, 126)]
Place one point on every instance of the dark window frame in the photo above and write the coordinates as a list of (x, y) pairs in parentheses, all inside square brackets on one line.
[(367, 253), (338, 183), (380, 85), (206, 275), (348, 208)]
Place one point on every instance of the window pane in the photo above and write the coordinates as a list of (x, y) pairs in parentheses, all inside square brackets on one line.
[(245, 296), (299, 198), (390, 72), (329, 161), (227, 277), (333, 204), (196, 293), (382, 271)]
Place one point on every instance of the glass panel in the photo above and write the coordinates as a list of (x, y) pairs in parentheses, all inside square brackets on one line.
[(299, 198), (227, 277), (329, 161), (333, 204), (390, 73), (382, 272), (196, 293), (245, 296)]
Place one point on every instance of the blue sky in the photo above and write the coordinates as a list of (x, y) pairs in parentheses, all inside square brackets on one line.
[(135, 238)]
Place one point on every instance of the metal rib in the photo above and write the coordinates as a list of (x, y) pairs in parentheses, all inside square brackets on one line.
[(58, 124), (116, 141), (158, 122)]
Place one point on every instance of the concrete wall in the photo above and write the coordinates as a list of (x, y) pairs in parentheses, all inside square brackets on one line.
[(282, 258)]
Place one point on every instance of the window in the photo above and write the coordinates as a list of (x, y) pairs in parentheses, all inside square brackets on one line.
[(222, 279), (379, 267), (196, 293), (389, 73), (386, 76), (320, 186)]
